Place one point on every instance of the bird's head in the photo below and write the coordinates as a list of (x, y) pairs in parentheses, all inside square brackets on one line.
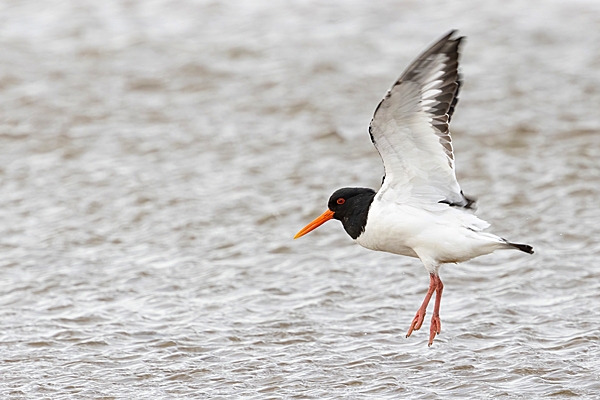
[(342, 204)]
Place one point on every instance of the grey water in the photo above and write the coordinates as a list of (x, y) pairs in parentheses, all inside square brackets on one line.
[(157, 158)]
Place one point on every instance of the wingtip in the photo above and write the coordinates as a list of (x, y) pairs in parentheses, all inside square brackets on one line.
[(451, 33)]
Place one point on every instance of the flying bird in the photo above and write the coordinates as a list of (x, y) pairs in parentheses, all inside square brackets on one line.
[(420, 210)]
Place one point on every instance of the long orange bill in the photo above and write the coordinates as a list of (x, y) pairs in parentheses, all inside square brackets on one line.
[(320, 220)]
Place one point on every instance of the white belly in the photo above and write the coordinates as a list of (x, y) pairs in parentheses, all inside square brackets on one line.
[(448, 236)]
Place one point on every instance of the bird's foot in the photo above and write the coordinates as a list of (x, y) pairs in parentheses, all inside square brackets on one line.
[(435, 328), (417, 321)]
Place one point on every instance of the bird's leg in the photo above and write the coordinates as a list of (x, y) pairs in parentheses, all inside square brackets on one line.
[(418, 320), (436, 324)]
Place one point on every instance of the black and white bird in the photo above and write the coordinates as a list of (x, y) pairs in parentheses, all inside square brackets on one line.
[(420, 210)]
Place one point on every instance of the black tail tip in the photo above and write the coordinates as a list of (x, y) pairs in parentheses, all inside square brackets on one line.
[(523, 247)]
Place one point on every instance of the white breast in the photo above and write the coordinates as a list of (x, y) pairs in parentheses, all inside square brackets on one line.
[(388, 230)]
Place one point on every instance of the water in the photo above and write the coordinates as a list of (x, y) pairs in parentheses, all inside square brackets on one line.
[(158, 157)]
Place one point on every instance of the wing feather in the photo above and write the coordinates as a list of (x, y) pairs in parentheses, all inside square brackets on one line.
[(410, 129)]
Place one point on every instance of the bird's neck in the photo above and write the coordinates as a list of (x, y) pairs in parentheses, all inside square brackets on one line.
[(355, 219)]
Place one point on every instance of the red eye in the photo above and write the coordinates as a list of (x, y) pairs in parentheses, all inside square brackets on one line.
[(341, 201)]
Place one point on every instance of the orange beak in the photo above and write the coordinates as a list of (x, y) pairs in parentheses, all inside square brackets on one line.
[(320, 220)]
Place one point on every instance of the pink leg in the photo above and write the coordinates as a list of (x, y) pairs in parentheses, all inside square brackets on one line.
[(418, 320), (436, 324)]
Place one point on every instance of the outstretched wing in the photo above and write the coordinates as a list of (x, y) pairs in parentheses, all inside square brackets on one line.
[(410, 129)]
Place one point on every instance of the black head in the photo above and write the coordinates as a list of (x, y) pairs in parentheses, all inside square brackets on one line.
[(351, 205)]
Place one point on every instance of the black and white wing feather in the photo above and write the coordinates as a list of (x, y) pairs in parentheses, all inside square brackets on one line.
[(410, 130)]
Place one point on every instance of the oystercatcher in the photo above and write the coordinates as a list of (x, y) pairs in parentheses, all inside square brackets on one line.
[(420, 210)]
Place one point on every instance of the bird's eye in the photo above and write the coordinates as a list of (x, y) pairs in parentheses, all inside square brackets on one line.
[(341, 200)]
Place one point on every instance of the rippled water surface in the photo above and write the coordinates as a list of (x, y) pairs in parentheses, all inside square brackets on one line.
[(156, 159)]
